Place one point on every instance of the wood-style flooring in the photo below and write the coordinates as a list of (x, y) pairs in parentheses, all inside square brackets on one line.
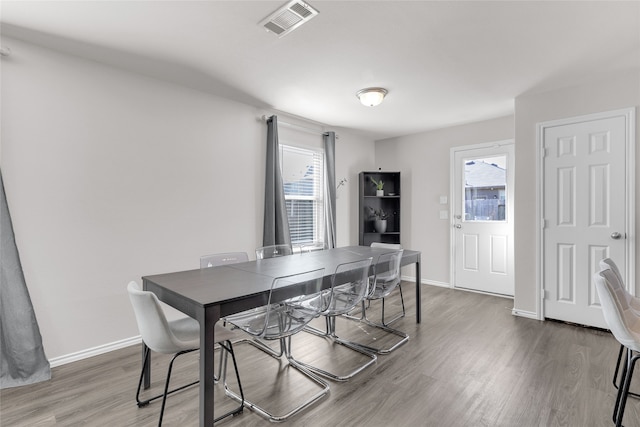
[(469, 363)]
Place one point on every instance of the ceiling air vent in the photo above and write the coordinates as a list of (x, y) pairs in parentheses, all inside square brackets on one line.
[(289, 17)]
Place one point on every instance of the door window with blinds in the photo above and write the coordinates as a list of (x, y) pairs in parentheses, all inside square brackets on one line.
[(303, 179)]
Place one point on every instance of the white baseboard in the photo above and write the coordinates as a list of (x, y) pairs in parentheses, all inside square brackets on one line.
[(436, 283), (95, 351), (524, 313), (426, 281)]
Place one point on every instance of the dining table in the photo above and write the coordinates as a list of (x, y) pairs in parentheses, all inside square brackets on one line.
[(209, 294)]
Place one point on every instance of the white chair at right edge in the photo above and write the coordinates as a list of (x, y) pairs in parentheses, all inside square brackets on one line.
[(633, 302), (624, 324)]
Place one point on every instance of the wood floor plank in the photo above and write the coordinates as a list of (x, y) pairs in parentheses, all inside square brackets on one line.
[(470, 363)]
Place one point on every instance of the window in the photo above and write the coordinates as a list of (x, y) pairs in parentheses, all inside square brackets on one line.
[(485, 189), (303, 179)]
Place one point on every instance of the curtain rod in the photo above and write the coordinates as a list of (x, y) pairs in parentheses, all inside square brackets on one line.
[(301, 128)]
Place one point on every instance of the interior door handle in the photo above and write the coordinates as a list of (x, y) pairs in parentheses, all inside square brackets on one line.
[(615, 235), (458, 226)]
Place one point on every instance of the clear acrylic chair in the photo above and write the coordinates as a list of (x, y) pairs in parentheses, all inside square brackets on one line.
[(265, 252), (349, 285), (215, 260), (624, 324), (272, 251), (396, 247), (176, 337), (311, 247), (280, 319), (632, 301), (386, 278)]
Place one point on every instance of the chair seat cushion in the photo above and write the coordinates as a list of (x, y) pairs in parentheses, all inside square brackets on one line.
[(284, 318), (187, 330)]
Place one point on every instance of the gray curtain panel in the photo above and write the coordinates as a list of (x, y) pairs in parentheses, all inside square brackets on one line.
[(22, 358), (330, 181), (276, 223)]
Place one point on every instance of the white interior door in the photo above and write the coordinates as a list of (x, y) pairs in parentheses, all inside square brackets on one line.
[(482, 233), (585, 212)]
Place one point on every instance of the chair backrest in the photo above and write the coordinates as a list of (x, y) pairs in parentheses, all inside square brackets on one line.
[(349, 286), (394, 246), (152, 322), (609, 263), (621, 320), (222, 259), (273, 251), (284, 315), (618, 284), (387, 274), (311, 247)]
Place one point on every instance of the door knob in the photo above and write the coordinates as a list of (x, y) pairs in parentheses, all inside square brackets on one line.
[(458, 226), (615, 235)]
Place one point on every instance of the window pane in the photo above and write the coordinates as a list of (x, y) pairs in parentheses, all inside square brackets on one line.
[(485, 184), (301, 214), (303, 179)]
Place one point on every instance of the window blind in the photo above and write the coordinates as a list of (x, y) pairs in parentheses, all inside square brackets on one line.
[(303, 179)]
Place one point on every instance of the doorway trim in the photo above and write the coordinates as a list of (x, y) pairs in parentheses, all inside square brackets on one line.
[(629, 114), (452, 249)]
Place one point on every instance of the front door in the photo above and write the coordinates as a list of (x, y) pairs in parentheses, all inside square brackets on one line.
[(482, 233), (586, 211)]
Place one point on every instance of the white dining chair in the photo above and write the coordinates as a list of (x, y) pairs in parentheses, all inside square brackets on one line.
[(624, 324), (175, 337), (634, 304)]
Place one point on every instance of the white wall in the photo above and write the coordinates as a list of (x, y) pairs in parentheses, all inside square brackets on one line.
[(353, 155), (111, 175), (423, 160), (613, 92)]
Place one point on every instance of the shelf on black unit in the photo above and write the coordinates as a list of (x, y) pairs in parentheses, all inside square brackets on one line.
[(370, 203)]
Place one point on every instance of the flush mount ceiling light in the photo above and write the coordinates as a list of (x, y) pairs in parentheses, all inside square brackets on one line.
[(371, 96)]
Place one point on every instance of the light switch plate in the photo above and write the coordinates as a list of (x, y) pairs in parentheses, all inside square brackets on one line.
[(444, 214), (443, 200)]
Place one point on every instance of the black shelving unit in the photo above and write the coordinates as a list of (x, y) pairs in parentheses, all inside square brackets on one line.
[(369, 203)]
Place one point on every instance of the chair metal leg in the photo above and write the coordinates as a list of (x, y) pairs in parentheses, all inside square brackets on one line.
[(337, 377), (318, 332), (142, 403), (623, 392), (166, 387), (399, 316), (619, 394), (615, 373), (324, 389), (223, 374), (404, 337)]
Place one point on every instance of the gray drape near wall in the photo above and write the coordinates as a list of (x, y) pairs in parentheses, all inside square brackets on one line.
[(22, 358), (276, 223), (330, 185)]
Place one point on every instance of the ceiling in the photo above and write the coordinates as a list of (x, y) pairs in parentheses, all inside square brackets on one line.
[(443, 62)]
